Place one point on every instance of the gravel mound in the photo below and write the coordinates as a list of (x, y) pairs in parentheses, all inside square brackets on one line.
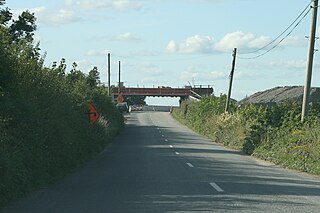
[(281, 94)]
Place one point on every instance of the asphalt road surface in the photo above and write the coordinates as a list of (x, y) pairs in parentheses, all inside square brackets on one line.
[(157, 165)]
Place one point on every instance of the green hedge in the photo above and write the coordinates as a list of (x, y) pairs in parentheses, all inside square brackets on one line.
[(44, 131), (273, 133)]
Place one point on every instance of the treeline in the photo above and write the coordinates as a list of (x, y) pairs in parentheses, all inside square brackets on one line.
[(273, 133), (44, 131)]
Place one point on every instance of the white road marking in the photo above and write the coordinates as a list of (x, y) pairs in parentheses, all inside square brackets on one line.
[(177, 153), (216, 187), (190, 165), (171, 146)]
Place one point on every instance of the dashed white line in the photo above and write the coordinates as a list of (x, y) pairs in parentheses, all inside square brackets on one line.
[(190, 165), (171, 146), (177, 153), (216, 187)]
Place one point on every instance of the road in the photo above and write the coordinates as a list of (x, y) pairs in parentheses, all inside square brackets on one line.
[(157, 165)]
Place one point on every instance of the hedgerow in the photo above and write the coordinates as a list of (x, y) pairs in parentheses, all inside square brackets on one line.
[(273, 133), (44, 131)]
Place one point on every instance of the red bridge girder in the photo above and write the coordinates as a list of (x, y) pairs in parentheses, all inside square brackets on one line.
[(168, 92), (152, 91)]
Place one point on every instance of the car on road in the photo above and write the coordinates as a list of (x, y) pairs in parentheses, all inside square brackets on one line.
[(134, 108)]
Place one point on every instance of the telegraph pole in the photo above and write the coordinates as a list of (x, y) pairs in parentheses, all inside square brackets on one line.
[(231, 79), (119, 76), (109, 71), (306, 93)]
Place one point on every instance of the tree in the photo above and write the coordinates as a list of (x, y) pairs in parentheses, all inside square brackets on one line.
[(5, 16), (61, 69), (93, 78), (24, 27), (75, 75)]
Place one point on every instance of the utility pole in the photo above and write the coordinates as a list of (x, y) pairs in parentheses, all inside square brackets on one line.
[(231, 79), (306, 93), (119, 76), (109, 71)]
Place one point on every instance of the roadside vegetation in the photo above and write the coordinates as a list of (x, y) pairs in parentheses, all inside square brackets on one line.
[(272, 133), (44, 131)]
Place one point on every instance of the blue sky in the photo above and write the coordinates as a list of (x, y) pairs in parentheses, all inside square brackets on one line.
[(171, 42)]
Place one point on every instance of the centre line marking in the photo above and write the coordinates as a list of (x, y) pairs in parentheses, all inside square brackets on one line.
[(171, 146), (190, 165), (216, 187), (177, 153)]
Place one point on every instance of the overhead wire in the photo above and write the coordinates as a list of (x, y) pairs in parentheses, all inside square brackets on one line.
[(274, 40), (281, 40)]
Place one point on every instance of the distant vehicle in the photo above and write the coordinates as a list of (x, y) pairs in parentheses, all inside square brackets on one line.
[(136, 108), (123, 107)]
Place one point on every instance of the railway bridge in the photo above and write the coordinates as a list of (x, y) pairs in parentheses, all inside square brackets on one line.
[(195, 92)]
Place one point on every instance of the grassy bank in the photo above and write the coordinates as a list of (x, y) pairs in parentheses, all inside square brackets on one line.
[(271, 133)]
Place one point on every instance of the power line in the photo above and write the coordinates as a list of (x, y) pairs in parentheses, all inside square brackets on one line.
[(277, 44), (261, 48)]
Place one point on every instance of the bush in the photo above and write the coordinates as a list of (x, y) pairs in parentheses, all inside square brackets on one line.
[(273, 133), (44, 131)]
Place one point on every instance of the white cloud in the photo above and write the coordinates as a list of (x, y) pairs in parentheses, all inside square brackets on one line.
[(172, 47), (46, 17), (249, 41), (193, 44), (294, 41), (73, 11), (119, 5), (242, 41), (127, 37), (61, 16), (197, 44)]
